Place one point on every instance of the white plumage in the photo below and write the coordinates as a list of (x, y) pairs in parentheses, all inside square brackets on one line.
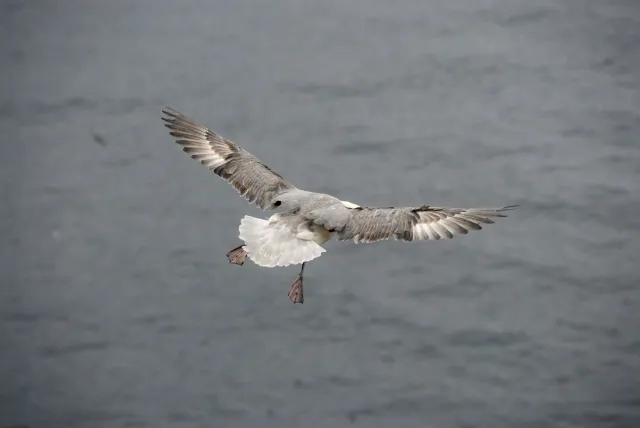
[(270, 243)]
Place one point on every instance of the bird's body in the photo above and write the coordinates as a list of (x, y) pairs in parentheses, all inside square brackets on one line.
[(309, 219)]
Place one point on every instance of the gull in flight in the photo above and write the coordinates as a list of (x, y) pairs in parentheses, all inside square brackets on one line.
[(296, 235)]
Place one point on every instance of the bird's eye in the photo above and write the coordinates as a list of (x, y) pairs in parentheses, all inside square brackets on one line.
[(277, 203)]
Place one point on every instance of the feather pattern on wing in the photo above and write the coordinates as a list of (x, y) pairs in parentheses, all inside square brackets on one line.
[(410, 224), (246, 173)]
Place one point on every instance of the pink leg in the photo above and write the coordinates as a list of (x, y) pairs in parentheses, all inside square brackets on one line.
[(295, 292), (237, 256)]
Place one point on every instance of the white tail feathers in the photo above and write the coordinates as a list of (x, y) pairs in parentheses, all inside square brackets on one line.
[(275, 244), (251, 229)]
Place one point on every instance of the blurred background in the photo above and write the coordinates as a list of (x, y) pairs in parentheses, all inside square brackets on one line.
[(119, 308)]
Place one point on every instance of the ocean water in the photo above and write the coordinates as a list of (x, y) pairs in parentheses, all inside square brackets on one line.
[(119, 308)]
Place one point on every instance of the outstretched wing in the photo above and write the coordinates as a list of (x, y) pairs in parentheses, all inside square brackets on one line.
[(246, 173), (412, 224)]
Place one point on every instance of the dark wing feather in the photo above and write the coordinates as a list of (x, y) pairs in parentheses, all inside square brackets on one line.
[(411, 224), (246, 173)]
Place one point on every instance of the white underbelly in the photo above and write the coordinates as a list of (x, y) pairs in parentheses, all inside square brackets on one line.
[(317, 234)]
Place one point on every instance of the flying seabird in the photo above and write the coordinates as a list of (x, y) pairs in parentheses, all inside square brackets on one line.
[(309, 219)]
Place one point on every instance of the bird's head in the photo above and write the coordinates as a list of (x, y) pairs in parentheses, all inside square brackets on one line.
[(289, 201)]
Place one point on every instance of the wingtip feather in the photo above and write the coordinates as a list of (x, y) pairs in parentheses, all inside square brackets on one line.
[(509, 207)]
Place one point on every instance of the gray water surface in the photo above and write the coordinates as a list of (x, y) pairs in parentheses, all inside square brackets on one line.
[(119, 308)]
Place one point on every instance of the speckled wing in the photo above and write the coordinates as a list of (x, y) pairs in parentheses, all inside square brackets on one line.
[(245, 172), (367, 225)]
